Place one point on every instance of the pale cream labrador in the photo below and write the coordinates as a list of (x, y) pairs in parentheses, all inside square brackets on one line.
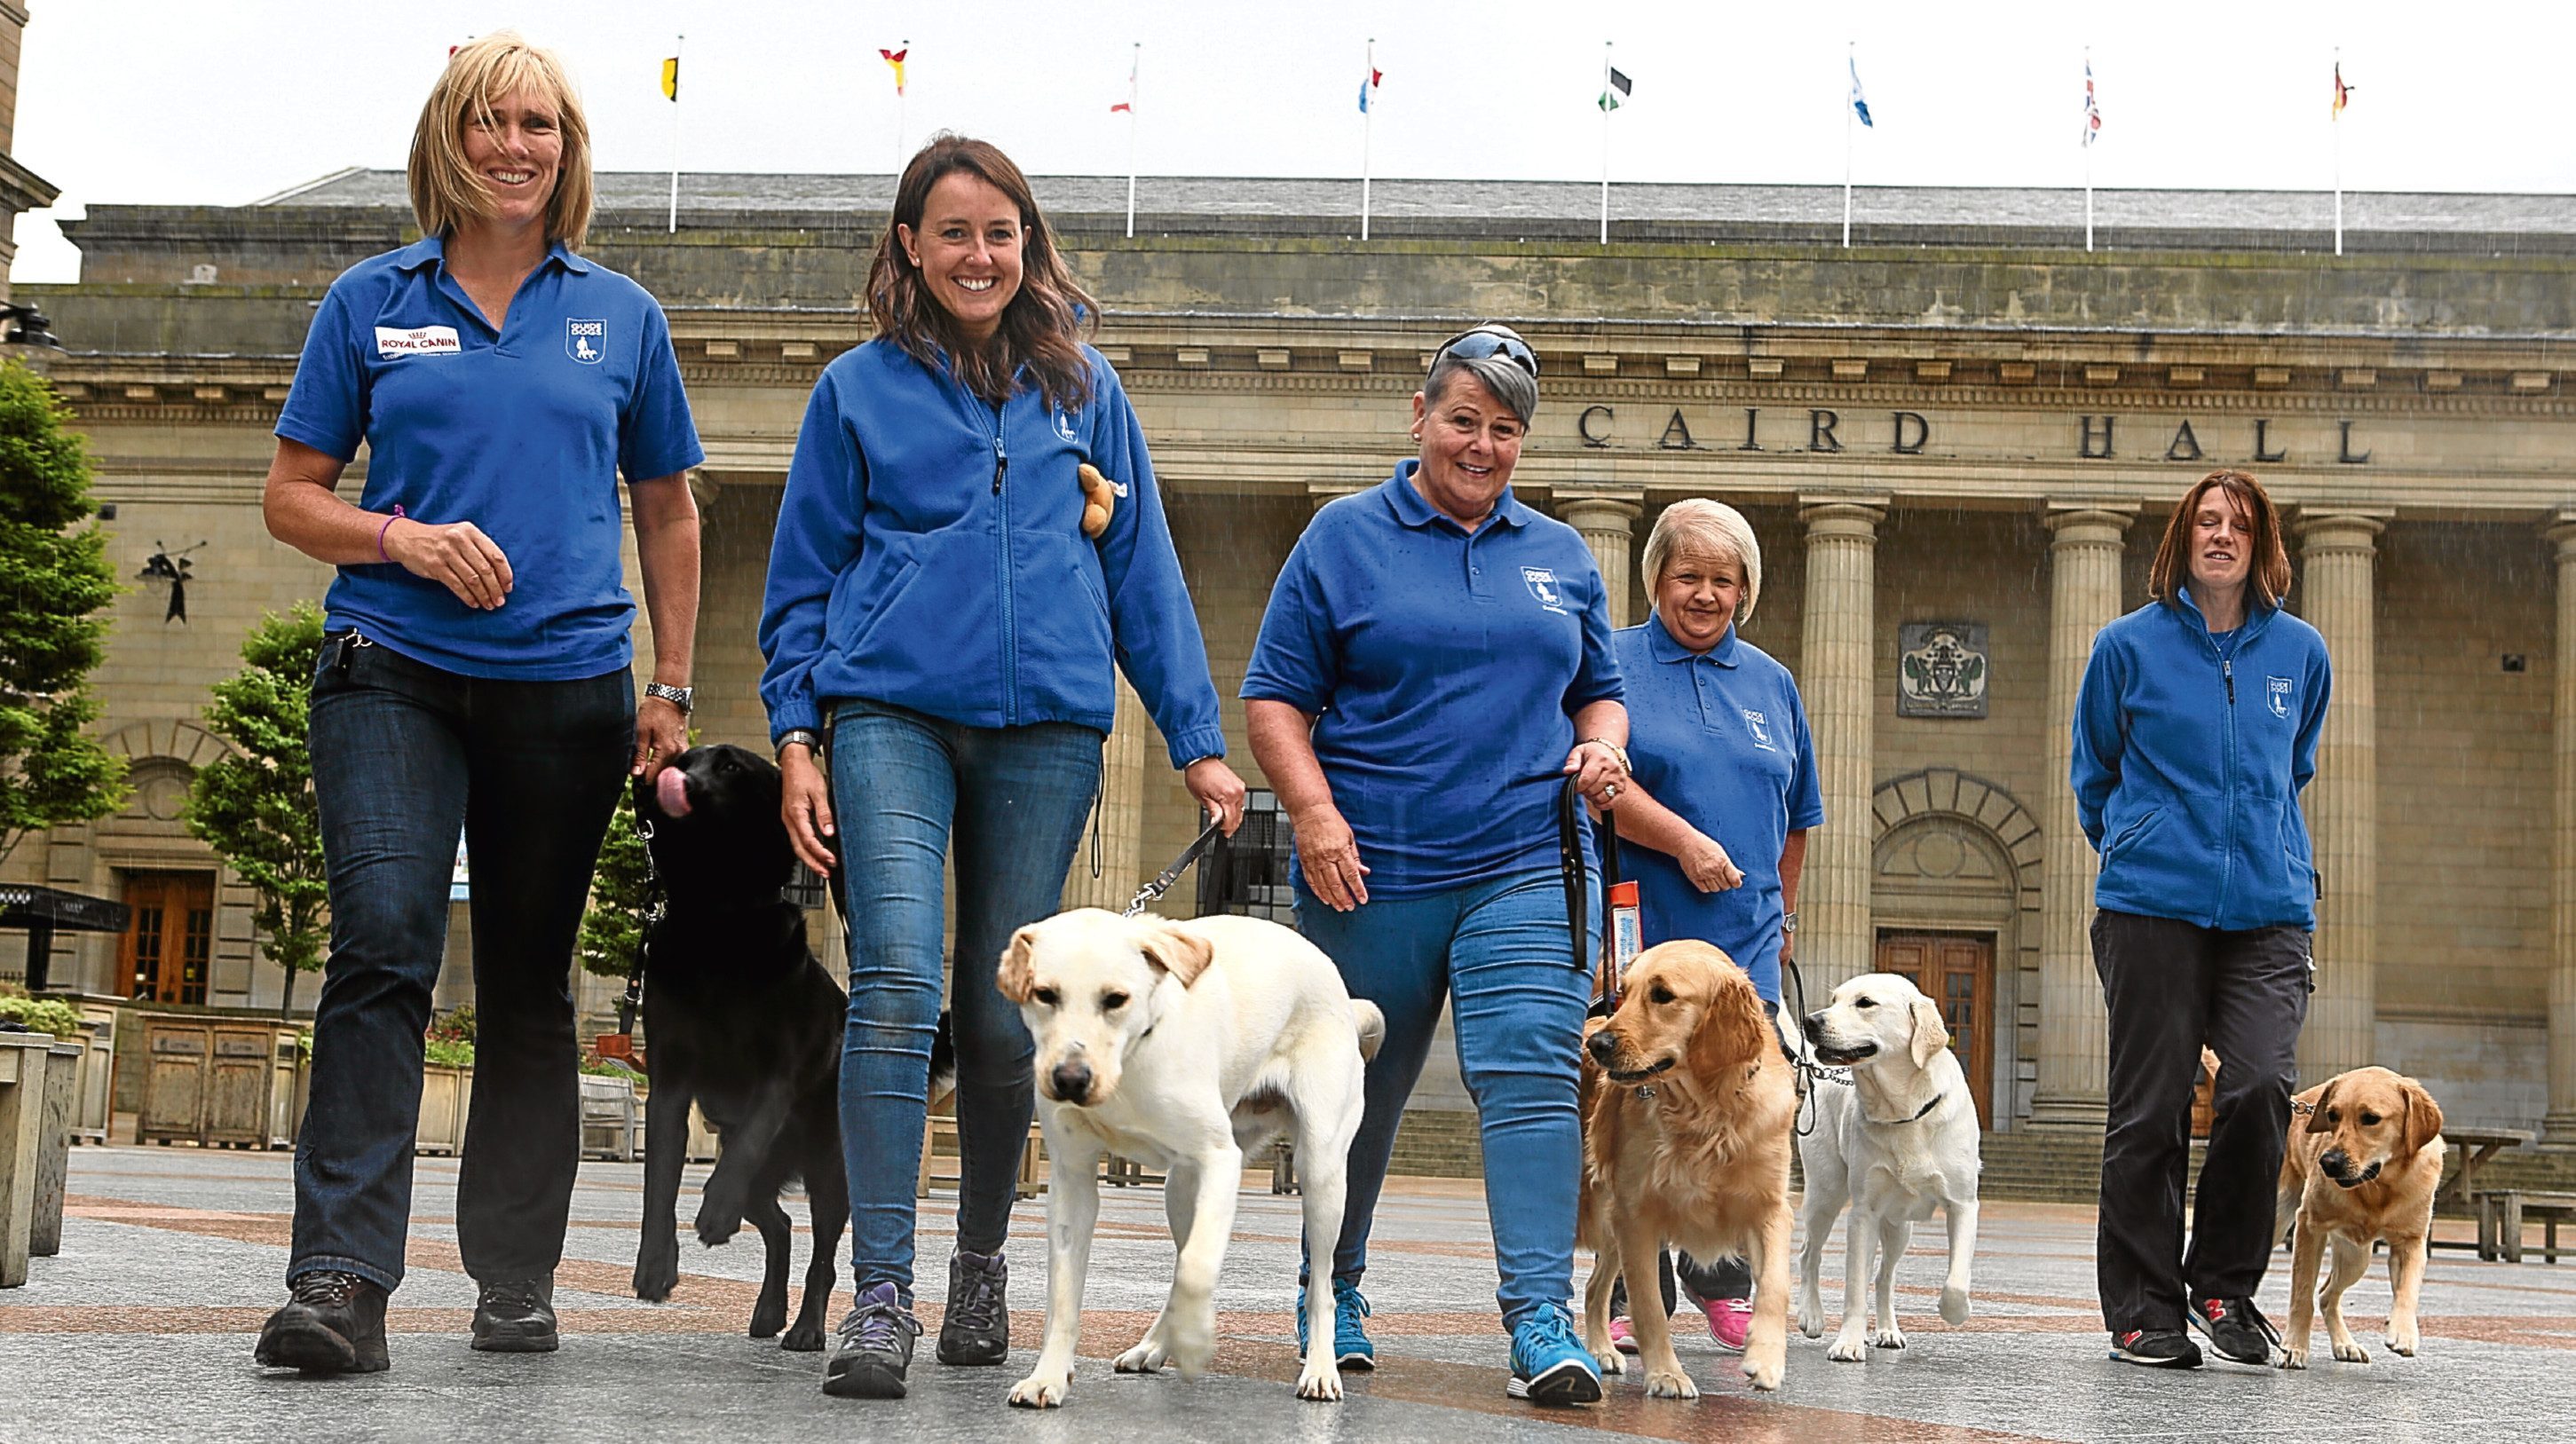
[(1183, 1045), (1897, 1141)]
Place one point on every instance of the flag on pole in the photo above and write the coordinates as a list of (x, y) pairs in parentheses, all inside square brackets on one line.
[(1128, 106), (1619, 86), (2092, 107), (1860, 102), (671, 79), (1369, 86), (2343, 92), (894, 58)]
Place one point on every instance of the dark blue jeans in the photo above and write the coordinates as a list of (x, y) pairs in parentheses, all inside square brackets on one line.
[(1007, 803), (404, 755)]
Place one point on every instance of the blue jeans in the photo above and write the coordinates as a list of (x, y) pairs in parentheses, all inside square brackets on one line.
[(1012, 800), (404, 754), (1500, 949)]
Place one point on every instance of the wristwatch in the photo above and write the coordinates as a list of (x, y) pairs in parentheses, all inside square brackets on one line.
[(684, 698), (1789, 921), (793, 736)]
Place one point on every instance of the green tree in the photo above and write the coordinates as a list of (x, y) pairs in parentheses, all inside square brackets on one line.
[(54, 581), (612, 932), (255, 806)]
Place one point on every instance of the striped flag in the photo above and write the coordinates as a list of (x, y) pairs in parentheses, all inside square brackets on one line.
[(1860, 102), (894, 59), (1620, 86), (671, 78), (1368, 87), (2343, 92), (2092, 107)]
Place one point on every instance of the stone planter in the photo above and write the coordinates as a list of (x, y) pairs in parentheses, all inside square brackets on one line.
[(217, 1080), (611, 1123), (445, 1095), (54, 1146)]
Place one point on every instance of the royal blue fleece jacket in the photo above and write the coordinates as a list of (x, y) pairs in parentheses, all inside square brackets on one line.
[(2190, 754), (930, 554)]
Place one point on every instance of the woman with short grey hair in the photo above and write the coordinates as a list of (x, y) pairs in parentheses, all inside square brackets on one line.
[(1434, 661), (1725, 787)]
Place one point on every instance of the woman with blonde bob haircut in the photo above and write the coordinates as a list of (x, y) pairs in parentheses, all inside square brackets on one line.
[(476, 676), (1724, 792)]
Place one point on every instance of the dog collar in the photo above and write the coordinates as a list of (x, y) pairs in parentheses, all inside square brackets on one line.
[(1919, 1114)]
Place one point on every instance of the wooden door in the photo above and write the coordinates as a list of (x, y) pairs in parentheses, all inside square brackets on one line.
[(169, 944), (1957, 972)]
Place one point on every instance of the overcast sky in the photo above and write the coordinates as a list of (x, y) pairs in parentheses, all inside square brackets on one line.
[(164, 102)]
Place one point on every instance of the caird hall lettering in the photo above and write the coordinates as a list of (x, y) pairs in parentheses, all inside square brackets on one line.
[(1909, 433)]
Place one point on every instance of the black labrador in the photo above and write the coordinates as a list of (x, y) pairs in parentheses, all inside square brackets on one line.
[(741, 1020)]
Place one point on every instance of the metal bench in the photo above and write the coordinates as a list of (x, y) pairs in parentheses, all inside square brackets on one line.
[(2500, 1217)]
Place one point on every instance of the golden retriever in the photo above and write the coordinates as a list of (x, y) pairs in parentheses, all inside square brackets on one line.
[(1687, 1119), (2364, 1168)]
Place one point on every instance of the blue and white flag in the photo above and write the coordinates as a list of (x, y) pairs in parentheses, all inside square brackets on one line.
[(1859, 102)]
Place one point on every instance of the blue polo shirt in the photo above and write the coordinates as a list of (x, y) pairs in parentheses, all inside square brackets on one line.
[(1721, 739), (1445, 667), (521, 431)]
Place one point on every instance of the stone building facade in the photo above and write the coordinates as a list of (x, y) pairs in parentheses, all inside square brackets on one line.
[(1958, 438)]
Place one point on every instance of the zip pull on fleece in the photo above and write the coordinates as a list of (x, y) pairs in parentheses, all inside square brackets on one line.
[(2227, 669)]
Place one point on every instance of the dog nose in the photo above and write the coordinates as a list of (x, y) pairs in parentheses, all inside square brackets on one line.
[(1072, 1081), (2335, 1162), (1812, 1025), (1601, 1047)]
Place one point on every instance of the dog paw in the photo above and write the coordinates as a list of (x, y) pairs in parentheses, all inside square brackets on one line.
[(1762, 1370), (1191, 1342), (1811, 1320), (1954, 1306), (1847, 1348), (1146, 1357), (768, 1316), (1890, 1337), (657, 1272), (1324, 1386), (2350, 1351), (1610, 1360), (1670, 1384), (2293, 1358), (2402, 1345), (718, 1225), (1042, 1391), (803, 1339)]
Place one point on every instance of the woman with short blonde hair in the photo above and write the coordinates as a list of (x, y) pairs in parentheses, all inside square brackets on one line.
[(476, 676)]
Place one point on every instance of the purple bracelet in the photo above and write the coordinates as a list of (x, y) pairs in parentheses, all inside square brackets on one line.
[(388, 526)]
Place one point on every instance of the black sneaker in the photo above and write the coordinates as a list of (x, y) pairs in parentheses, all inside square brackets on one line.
[(876, 1348), (333, 1323), (977, 1326), (2236, 1330), (2156, 1348), (516, 1316)]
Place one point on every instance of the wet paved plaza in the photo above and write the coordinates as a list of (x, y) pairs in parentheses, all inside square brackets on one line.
[(143, 1326)]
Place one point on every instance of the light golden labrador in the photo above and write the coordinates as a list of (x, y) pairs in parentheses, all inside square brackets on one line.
[(1689, 1107), (2364, 1168)]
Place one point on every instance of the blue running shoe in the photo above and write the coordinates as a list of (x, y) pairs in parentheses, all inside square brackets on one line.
[(1351, 1347), (1549, 1366)]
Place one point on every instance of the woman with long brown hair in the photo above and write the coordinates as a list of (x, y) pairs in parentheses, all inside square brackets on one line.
[(945, 609), (2195, 731)]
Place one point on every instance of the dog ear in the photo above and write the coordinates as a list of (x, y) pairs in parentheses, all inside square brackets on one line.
[(2423, 1117), (1183, 955), (1017, 979), (1733, 1029), (1931, 1034), (2317, 1111)]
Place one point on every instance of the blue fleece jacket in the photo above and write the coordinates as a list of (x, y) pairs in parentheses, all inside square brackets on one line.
[(929, 554), (2190, 754)]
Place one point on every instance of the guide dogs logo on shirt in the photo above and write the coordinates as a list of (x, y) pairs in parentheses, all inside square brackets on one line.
[(1064, 425), (1759, 727), (586, 341), (1541, 582), (2276, 693)]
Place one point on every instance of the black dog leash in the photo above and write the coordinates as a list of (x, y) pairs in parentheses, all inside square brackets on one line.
[(1152, 892), (632, 1004), (1569, 862)]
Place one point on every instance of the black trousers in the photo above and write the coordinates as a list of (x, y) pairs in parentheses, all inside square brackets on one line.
[(2170, 987)]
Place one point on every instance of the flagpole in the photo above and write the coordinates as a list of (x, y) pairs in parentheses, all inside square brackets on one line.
[(1135, 59), (1368, 120), (1851, 67), (2088, 148), (676, 43), (1605, 142), (2337, 122), (899, 129)]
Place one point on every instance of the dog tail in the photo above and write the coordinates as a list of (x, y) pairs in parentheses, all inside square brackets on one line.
[(943, 1060), (1372, 1026)]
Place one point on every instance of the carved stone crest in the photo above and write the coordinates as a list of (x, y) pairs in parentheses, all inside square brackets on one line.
[(1941, 669)]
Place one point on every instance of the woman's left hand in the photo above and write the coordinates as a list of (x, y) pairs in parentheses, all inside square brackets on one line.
[(1598, 775), (1220, 793), (661, 733), (1788, 947)]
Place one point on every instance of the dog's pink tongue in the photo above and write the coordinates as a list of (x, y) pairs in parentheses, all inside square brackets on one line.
[(671, 789)]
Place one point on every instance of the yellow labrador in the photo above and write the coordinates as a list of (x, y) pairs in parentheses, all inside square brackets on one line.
[(2364, 1168)]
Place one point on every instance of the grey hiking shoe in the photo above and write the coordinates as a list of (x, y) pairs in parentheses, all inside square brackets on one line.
[(876, 1348), (977, 1327)]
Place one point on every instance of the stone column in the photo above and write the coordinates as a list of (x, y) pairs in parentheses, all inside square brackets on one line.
[(1837, 653), (2560, 1123), (2084, 553), (1121, 813), (2339, 551), (1608, 522)]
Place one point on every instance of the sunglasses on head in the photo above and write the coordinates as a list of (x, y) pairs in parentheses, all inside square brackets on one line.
[(1486, 341)]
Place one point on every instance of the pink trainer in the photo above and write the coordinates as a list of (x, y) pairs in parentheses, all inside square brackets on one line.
[(1729, 1320), (1622, 1337)]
